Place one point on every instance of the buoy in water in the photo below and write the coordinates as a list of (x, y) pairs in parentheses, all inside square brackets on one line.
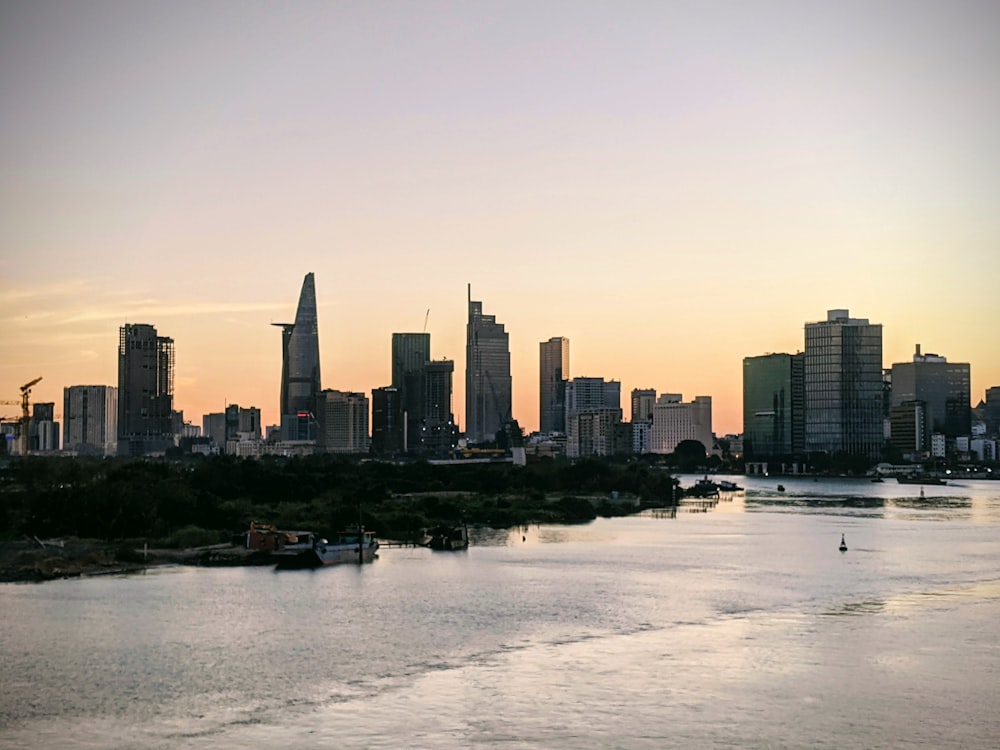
[(843, 544)]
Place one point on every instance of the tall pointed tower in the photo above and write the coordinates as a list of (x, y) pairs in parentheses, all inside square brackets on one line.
[(300, 377)]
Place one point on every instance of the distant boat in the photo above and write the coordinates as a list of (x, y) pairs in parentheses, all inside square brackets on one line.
[(449, 538), (781, 488), (843, 544), (920, 479), (878, 479)]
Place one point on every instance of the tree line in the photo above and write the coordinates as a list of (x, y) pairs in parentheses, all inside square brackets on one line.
[(202, 500)]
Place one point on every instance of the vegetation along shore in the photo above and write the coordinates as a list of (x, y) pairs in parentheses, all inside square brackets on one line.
[(117, 515)]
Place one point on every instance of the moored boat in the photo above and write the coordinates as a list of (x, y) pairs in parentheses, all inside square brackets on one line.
[(920, 479), (449, 538), (313, 551)]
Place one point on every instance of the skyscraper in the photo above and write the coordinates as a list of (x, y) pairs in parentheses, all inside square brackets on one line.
[(438, 435), (942, 385), (387, 428), (487, 375), (90, 419), (773, 405), (410, 354), (300, 376), (145, 390), (553, 370), (843, 386)]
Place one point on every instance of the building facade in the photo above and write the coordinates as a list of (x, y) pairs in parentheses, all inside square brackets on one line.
[(388, 436), (410, 354), (145, 390), (553, 371), (439, 433), (90, 420), (675, 421), (774, 405), (488, 388), (591, 432), (943, 386), (643, 401), (300, 373), (583, 394), (343, 422), (843, 386)]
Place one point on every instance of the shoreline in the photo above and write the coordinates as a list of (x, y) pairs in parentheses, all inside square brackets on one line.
[(39, 561)]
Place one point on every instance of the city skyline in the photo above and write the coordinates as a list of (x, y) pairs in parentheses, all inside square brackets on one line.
[(671, 188)]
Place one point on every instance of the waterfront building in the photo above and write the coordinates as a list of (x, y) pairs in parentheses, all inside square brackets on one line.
[(343, 422), (300, 372), (488, 390), (643, 401), (675, 422), (843, 386), (943, 386), (145, 390), (984, 449), (553, 371), (774, 405), (90, 420), (908, 431), (991, 411)]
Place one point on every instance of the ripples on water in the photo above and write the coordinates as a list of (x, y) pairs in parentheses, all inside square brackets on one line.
[(743, 627)]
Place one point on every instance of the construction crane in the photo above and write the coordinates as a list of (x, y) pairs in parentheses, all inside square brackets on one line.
[(25, 414)]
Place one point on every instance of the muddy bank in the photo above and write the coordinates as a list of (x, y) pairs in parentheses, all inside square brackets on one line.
[(47, 560)]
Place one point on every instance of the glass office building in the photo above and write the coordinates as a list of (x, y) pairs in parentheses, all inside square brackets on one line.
[(843, 386)]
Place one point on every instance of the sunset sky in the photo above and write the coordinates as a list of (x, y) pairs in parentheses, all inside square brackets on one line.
[(671, 185)]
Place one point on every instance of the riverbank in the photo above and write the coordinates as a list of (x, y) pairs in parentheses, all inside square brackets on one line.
[(36, 561)]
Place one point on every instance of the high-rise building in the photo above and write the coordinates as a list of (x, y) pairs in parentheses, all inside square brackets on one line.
[(943, 386), (90, 419), (410, 354), (387, 422), (774, 405), (553, 361), (145, 390), (487, 375), (43, 430), (991, 410), (909, 429), (583, 394), (300, 376), (674, 422), (343, 422), (438, 436), (843, 386), (591, 432), (643, 401)]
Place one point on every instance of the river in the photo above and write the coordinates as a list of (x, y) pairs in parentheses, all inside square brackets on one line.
[(743, 626)]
